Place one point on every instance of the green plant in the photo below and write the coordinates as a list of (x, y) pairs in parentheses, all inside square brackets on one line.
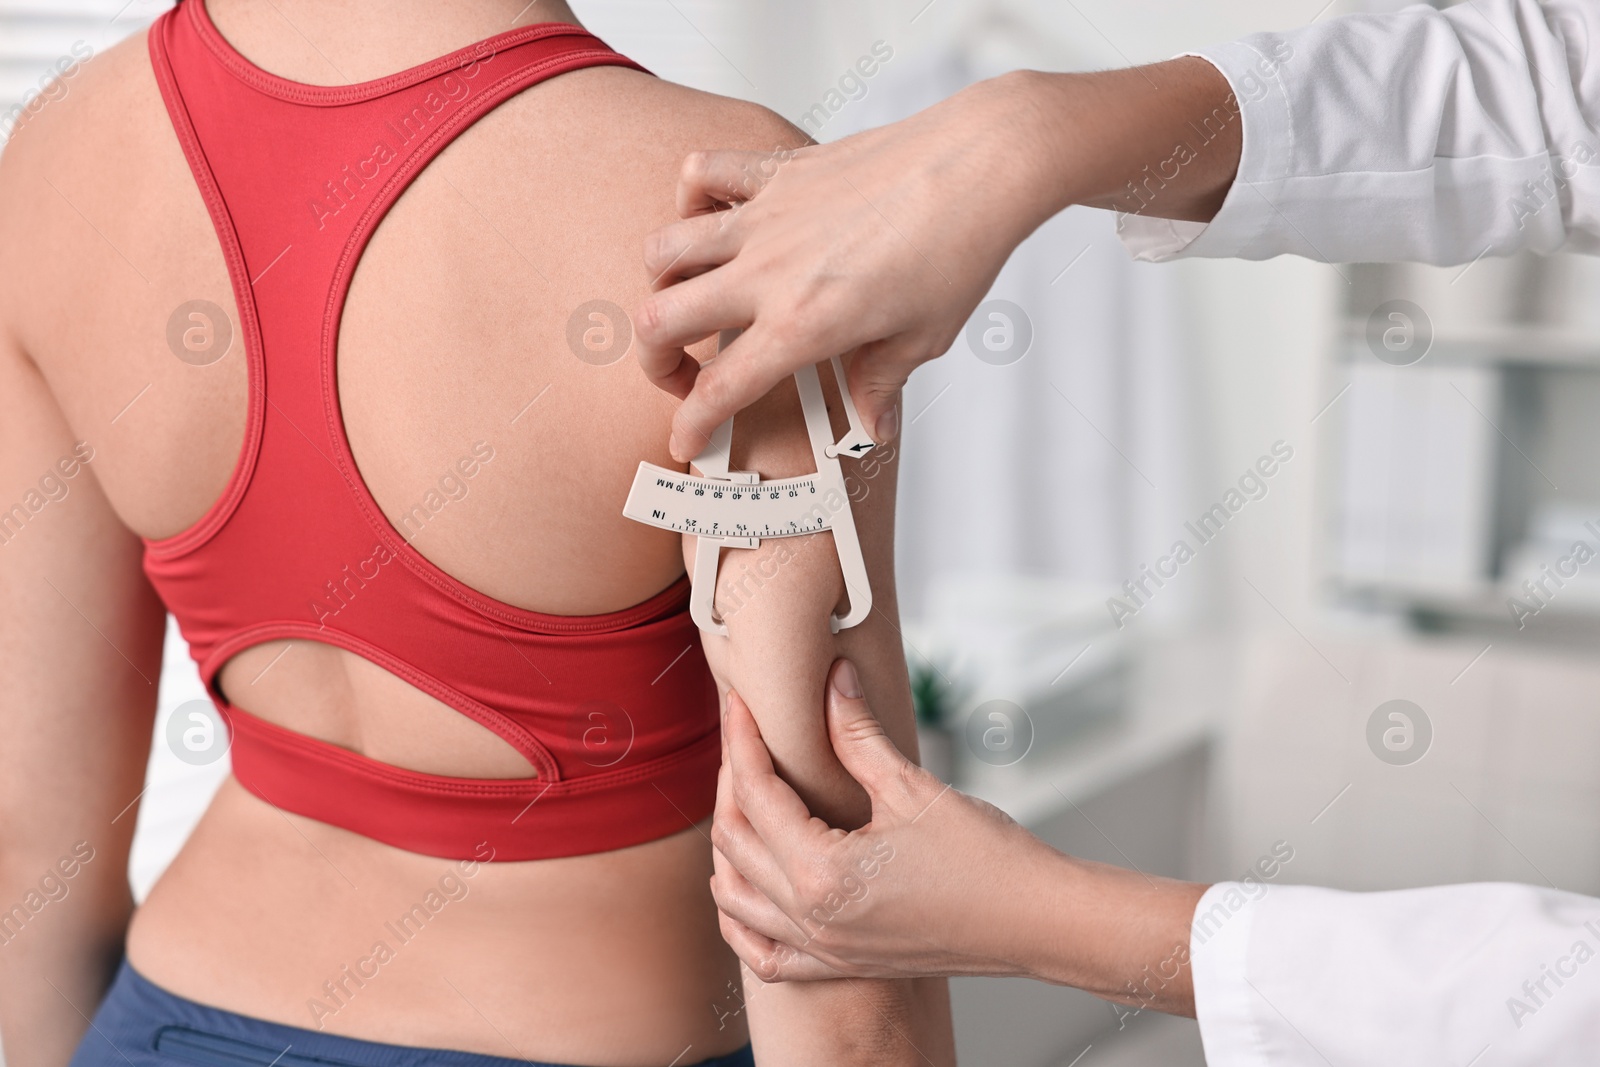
[(934, 695)]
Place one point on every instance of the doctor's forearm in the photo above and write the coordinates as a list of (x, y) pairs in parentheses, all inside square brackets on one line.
[(1161, 141), (885, 241), (969, 891), (1112, 932)]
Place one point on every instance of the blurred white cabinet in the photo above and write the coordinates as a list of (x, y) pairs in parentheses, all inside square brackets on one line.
[(1463, 468)]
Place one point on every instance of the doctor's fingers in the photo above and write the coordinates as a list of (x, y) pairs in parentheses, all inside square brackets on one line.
[(877, 372), (736, 896), (682, 314), (709, 180), (773, 347), (765, 803), (771, 943), (737, 846), (772, 961), (900, 790), (684, 249)]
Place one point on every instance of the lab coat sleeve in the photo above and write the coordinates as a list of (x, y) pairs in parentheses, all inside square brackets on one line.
[(1491, 975), (1426, 135)]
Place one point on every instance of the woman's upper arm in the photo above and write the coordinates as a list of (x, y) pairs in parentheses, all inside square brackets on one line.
[(80, 639), (80, 654), (776, 601)]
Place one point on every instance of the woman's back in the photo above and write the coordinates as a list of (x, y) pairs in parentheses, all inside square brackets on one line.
[(495, 424), (455, 333)]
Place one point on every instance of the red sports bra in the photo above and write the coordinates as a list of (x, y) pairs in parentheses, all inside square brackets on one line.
[(617, 712)]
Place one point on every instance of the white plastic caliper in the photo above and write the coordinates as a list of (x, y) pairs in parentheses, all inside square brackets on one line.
[(736, 509)]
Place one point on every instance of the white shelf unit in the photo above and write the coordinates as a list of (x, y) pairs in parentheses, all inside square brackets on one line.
[(1449, 482)]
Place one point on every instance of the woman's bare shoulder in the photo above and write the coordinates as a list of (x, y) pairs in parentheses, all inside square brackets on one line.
[(90, 143), (86, 103), (649, 118)]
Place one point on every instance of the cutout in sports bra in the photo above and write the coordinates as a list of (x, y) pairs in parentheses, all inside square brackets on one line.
[(297, 178)]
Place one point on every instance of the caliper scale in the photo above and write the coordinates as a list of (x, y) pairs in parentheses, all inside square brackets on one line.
[(723, 508)]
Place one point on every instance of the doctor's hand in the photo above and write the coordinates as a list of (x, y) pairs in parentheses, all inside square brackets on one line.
[(900, 896), (937, 883), (881, 244)]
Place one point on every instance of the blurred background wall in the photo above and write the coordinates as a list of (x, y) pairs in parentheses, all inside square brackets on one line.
[(1350, 665)]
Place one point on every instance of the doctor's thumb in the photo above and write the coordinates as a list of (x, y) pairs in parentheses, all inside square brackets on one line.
[(876, 375), (858, 738)]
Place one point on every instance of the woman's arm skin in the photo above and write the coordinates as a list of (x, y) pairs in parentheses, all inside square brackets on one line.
[(80, 652), (886, 241), (776, 600), (940, 883)]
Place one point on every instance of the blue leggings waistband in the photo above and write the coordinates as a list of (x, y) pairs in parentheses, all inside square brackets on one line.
[(139, 1024)]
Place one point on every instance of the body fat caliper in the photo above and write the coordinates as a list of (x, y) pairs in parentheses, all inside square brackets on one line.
[(736, 509)]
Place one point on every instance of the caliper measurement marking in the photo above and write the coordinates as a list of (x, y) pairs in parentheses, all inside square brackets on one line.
[(715, 489), (786, 507)]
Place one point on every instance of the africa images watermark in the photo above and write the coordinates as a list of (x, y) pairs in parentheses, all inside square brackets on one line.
[(851, 890), (1537, 591), (53, 487), (1252, 486), (52, 87), (1536, 991), (852, 85), (1548, 189), (52, 888), (1251, 886), (450, 887), (339, 592), (399, 130), (1399, 732)]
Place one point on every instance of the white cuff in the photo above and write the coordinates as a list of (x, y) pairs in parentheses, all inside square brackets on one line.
[(1266, 149), (1224, 1000)]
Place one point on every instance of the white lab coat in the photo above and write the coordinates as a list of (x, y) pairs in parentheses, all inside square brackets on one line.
[(1437, 136), (1419, 135)]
